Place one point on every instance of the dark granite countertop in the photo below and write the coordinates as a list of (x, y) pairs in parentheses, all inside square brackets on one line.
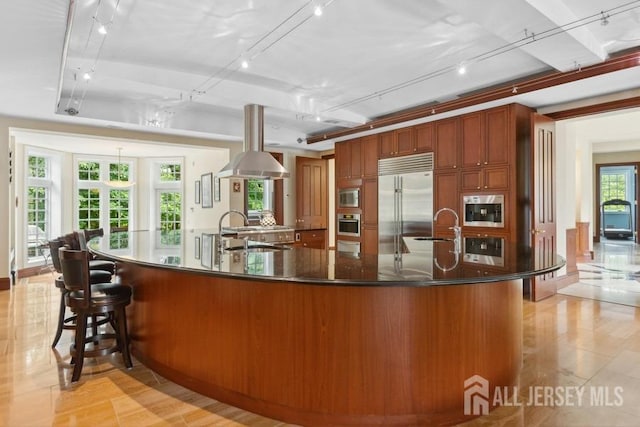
[(423, 263)]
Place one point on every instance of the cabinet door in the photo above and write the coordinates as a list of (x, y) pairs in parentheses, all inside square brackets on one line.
[(370, 202), (446, 151), (425, 135), (446, 195), (369, 244), (499, 129), (311, 239), (404, 141), (471, 179), (369, 150), (496, 178), (472, 128), (343, 160), (387, 145), (356, 161)]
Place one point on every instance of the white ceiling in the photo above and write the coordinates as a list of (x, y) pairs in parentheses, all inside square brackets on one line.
[(175, 66)]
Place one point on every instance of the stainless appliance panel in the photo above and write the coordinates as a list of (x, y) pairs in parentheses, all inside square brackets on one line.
[(348, 225), (349, 198), (405, 209), (484, 210)]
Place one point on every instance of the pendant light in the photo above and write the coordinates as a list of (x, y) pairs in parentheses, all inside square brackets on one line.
[(117, 183)]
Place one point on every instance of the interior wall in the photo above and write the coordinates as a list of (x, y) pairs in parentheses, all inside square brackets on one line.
[(567, 169)]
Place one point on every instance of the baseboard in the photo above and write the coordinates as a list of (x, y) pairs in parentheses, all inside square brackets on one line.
[(5, 283), (566, 280), (32, 271), (586, 257)]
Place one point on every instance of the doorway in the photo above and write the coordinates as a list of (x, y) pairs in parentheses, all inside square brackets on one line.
[(616, 197)]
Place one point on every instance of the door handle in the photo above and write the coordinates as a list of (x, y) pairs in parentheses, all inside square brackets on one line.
[(536, 231)]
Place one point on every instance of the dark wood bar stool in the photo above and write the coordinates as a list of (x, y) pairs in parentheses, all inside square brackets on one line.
[(87, 300), (95, 276), (83, 237)]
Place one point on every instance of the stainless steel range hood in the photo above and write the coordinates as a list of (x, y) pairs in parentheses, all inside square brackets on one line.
[(253, 162)]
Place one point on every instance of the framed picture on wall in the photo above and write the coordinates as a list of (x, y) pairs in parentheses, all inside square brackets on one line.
[(206, 255), (197, 192), (216, 189), (207, 190)]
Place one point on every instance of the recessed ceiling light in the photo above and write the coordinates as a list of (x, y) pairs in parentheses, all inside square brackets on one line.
[(317, 10), (86, 76), (245, 64), (102, 29), (462, 69)]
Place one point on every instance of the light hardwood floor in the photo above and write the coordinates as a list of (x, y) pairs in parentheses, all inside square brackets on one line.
[(568, 342)]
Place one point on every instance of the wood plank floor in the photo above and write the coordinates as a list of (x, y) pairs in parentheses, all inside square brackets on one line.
[(568, 342)]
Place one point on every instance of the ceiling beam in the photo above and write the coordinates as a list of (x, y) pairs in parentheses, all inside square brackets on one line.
[(617, 63)]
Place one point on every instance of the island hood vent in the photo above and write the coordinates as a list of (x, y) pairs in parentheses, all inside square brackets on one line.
[(253, 162)]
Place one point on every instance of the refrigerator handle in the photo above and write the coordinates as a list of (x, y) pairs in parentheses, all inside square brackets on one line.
[(400, 208)]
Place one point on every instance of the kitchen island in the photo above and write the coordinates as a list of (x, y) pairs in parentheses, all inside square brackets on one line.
[(317, 337)]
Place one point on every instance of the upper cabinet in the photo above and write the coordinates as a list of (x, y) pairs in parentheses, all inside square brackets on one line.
[(446, 143), (485, 137), (357, 158), (406, 141)]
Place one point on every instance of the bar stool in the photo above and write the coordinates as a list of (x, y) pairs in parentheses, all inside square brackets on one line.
[(87, 300), (94, 263), (95, 276)]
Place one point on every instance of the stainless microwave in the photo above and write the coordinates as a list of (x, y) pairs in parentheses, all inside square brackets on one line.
[(483, 210), (349, 225), (349, 198)]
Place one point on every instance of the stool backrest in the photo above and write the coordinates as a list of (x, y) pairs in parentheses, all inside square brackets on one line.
[(54, 245), (75, 271)]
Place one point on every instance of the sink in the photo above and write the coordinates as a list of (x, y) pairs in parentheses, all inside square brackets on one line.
[(434, 239)]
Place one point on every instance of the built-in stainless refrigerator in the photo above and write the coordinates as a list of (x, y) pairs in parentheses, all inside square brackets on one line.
[(405, 201)]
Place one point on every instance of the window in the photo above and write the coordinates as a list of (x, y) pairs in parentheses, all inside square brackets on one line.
[(616, 183), (168, 183), (37, 204), (99, 205), (259, 197)]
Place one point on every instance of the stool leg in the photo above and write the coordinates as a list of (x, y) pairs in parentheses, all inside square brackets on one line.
[(60, 320), (78, 357), (123, 336)]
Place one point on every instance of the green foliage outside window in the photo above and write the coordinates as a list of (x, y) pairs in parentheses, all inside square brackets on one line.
[(37, 167), (88, 208), (255, 195), (170, 217), (613, 186), (170, 172), (89, 171)]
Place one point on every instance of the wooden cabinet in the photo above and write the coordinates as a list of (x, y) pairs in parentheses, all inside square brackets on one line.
[(485, 179), (311, 239), (406, 141), (369, 156), (370, 202), (446, 195), (348, 161), (357, 158), (446, 144), (369, 239), (485, 137), (425, 138)]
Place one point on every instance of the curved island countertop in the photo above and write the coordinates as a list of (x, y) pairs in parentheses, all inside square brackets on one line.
[(317, 337)]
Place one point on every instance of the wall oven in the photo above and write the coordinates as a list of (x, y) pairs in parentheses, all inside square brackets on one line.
[(349, 198), (484, 250), (348, 225), (484, 210)]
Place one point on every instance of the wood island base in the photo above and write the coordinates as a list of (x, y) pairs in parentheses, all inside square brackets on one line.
[(322, 354)]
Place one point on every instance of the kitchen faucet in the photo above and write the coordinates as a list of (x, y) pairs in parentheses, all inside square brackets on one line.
[(246, 222), (457, 231)]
